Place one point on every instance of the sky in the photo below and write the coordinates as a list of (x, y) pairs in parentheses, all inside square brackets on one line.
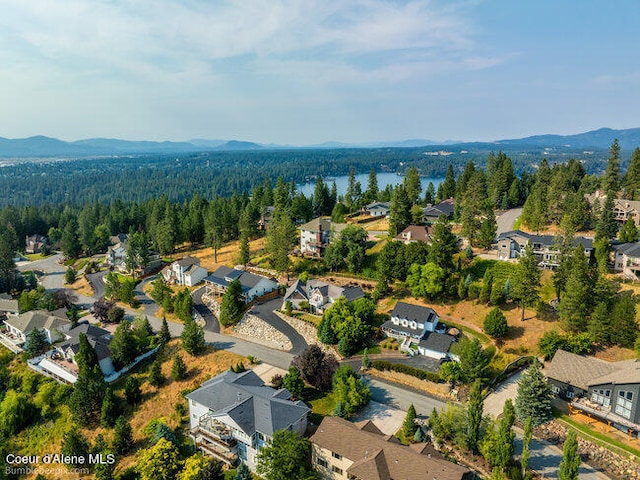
[(305, 72)]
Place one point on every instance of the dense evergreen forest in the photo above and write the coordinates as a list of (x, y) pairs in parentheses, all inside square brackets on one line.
[(179, 177)]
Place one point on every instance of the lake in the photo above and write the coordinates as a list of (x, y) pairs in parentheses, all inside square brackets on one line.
[(384, 179)]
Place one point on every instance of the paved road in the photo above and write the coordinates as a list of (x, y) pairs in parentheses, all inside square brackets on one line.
[(150, 308), (54, 277), (265, 312), (96, 281), (211, 323), (507, 219)]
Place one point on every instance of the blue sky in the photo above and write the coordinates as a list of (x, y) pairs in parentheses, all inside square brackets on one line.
[(305, 72)]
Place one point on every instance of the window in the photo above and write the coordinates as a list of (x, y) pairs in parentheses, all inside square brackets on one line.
[(336, 455), (601, 397), (624, 403), (555, 389), (336, 470), (569, 394), (322, 463)]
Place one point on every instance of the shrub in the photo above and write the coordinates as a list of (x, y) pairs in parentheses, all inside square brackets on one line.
[(495, 324), (406, 369)]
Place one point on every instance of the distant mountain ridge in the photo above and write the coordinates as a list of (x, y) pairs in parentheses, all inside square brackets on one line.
[(41, 146)]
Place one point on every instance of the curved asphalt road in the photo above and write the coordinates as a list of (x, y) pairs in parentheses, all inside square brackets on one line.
[(265, 312), (211, 323)]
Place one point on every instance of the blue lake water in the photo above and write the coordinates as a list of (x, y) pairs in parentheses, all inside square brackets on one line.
[(384, 179)]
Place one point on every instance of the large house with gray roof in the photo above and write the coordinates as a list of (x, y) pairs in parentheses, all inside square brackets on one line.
[(417, 328), (252, 285), (512, 244), (433, 212), (320, 295), (626, 259), (234, 415), (17, 328), (609, 391), (8, 306)]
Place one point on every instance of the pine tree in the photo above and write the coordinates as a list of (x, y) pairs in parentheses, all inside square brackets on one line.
[(632, 177), (75, 445), (527, 280), (132, 392), (36, 342), (243, 472), (576, 302), (178, 369), (122, 436), (607, 227), (155, 373), (488, 229), (526, 440), (447, 188), (109, 410), (89, 389), (474, 416), (399, 211), (624, 328), (570, 464), (495, 324), (505, 447), (339, 411), (164, 336), (534, 397), (412, 184), (244, 254), (409, 425), (474, 360), (629, 232), (193, 338), (612, 176), (293, 382), (600, 323)]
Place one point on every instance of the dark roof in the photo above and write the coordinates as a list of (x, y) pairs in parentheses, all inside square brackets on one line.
[(350, 292), (438, 342), (225, 275), (97, 337), (249, 402), (416, 233), (188, 261), (446, 207), (629, 249), (379, 457), (384, 205), (547, 240), (417, 313)]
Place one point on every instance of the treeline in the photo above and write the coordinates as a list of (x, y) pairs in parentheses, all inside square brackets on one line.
[(138, 178)]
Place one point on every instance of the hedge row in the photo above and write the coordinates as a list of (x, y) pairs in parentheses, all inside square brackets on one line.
[(406, 369)]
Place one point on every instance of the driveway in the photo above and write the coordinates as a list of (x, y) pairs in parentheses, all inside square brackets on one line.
[(150, 308), (54, 271), (507, 219), (494, 402), (211, 323), (265, 310), (96, 281)]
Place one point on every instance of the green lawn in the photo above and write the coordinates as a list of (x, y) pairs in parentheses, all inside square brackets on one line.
[(322, 404), (32, 257), (484, 339)]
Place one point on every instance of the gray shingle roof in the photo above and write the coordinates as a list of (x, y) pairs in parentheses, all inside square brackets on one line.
[(8, 304), (251, 404), (225, 275), (446, 207), (579, 371), (28, 321), (350, 292), (417, 313), (438, 342), (629, 249), (98, 338), (547, 240)]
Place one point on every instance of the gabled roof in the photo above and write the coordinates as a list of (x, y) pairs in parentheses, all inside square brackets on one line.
[(582, 372), (97, 337), (438, 342), (251, 404), (375, 457), (350, 292), (418, 233), (383, 205), (26, 322), (225, 275), (322, 224), (417, 313), (445, 207), (547, 240), (629, 249), (188, 261), (8, 304)]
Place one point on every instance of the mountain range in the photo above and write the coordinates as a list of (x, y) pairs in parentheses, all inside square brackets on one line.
[(41, 146)]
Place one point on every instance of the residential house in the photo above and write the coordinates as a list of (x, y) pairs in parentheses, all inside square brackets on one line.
[(320, 295), (415, 233), (97, 337), (186, 271), (360, 451), (377, 209), (117, 254), (623, 209), (18, 327), (119, 238), (418, 329), (433, 212), (265, 218), (252, 285), (316, 235), (36, 243), (8, 306), (234, 415), (626, 259), (608, 391), (512, 244)]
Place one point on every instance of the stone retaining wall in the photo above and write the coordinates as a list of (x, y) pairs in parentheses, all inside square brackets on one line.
[(257, 330), (308, 332), (615, 465)]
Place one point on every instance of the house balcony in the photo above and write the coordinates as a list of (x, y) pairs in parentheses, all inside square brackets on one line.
[(216, 439), (603, 413)]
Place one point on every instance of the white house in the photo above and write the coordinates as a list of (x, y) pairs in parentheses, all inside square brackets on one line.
[(234, 415), (377, 209), (18, 327), (252, 285), (316, 235), (626, 259), (320, 295), (418, 326), (186, 271), (97, 337)]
